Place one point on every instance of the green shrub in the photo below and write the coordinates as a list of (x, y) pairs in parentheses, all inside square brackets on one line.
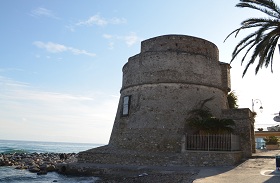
[(271, 140), (204, 122)]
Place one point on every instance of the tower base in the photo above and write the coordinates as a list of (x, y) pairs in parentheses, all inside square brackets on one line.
[(110, 160)]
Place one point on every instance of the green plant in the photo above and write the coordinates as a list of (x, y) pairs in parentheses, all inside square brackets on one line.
[(203, 121), (198, 114), (232, 100), (254, 114), (263, 41), (271, 140)]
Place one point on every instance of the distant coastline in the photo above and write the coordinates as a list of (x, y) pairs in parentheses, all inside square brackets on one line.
[(38, 141)]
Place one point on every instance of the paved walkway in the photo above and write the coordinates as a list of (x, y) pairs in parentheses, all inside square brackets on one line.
[(261, 168)]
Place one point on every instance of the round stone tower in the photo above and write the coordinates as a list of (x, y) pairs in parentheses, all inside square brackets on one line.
[(172, 75)]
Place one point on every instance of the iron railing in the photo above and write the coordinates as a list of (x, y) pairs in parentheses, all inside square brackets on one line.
[(221, 142)]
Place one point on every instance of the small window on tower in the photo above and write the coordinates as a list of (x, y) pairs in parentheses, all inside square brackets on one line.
[(126, 104)]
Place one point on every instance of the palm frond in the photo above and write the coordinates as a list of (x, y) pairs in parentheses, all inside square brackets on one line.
[(263, 41), (267, 57), (264, 49), (266, 6)]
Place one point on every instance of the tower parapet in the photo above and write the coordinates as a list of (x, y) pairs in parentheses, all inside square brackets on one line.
[(181, 43), (174, 59)]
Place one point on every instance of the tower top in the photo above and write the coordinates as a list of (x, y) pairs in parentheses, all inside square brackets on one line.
[(181, 43)]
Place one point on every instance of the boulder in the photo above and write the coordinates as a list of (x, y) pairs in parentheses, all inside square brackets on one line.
[(51, 168), (34, 169)]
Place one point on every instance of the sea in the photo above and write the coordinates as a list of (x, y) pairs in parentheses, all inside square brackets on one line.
[(12, 175)]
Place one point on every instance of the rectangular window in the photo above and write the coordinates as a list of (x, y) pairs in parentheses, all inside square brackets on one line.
[(126, 104)]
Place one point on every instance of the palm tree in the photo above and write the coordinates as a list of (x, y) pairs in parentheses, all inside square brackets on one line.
[(264, 39)]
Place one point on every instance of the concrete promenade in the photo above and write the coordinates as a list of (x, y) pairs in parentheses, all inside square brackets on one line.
[(261, 168)]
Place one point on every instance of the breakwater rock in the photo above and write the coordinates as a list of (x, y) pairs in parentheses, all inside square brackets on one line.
[(39, 163)]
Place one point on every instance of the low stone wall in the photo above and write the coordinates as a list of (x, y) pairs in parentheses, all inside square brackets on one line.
[(244, 128), (212, 158), (107, 159), (117, 156), (109, 155)]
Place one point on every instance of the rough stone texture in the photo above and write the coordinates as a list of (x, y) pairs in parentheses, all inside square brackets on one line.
[(171, 76), (225, 68), (158, 115), (181, 43), (39, 163), (110, 155), (244, 121)]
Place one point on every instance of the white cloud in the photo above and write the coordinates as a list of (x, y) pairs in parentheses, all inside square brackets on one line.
[(107, 36), (9, 70), (63, 116), (58, 48), (71, 28), (117, 20), (111, 45), (111, 42), (131, 39), (94, 20), (80, 52), (38, 12), (51, 47), (7, 82), (100, 21)]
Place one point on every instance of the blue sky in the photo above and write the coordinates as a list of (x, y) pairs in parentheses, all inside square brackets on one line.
[(61, 61)]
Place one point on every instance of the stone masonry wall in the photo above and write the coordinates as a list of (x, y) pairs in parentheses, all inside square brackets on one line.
[(171, 67), (181, 43), (244, 121), (225, 68), (111, 155), (152, 124), (172, 75)]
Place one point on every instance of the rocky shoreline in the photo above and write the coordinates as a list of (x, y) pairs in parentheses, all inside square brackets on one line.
[(40, 163)]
